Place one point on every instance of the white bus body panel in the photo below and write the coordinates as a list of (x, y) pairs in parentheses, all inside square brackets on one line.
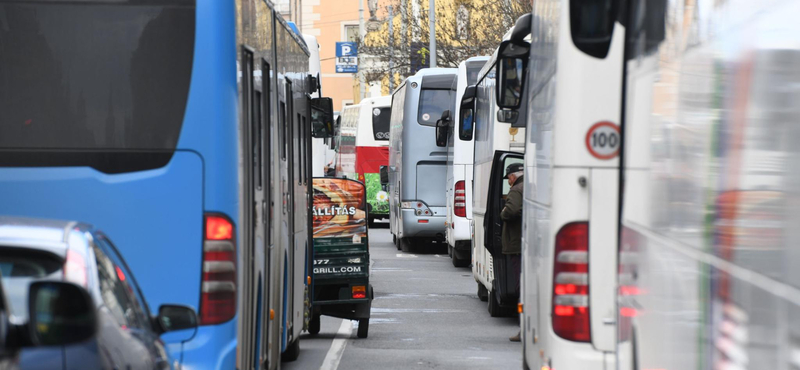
[(569, 96)]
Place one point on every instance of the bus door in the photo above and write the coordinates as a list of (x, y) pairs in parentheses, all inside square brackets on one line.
[(289, 132), (504, 287)]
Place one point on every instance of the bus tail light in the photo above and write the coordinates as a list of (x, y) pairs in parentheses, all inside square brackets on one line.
[(218, 291), (460, 200), (571, 283)]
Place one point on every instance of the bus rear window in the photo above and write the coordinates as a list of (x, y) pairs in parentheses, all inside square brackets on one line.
[(99, 76), (381, 118), (431, 105)]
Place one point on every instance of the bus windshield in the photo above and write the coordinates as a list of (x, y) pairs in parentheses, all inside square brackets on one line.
[(64, 87), (381, 122), (431, 105)]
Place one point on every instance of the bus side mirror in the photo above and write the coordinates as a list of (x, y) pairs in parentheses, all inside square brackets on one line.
[(322, 117), (466, 113), (384, 175), (442, 126), (512, 63)]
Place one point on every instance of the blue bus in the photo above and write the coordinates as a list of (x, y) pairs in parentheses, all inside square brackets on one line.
[(182, 128)]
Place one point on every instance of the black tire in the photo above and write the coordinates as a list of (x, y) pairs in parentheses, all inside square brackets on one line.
[(459, 262), (394, 239), (494, 307), (314, 325), (483, 294), (292, 352), (449, 250), (363, 328), (371, 222), (405, 245)]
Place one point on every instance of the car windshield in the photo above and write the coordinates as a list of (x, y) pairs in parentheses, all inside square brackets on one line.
[(19, 270)]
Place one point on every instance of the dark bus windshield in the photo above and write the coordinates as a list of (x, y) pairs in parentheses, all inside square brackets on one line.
[(431, 105), (94, 76), (381, 119)]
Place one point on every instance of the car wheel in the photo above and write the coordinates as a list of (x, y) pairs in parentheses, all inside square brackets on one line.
[(292, 352), (314, 324), (483, 294), (363, 328)]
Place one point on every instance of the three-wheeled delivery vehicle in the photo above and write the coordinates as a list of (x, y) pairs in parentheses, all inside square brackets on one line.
[(341, 253)]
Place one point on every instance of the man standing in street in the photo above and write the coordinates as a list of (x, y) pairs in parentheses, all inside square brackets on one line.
[(512, 223)]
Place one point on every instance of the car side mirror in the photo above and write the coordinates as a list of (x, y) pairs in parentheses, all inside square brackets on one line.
[(511, 70), (442, 129), (60, 313), (466, 125), (173, 317), (322, 117)]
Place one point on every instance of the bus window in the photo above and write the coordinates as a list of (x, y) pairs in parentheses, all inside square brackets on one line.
[(380, 123), (431, 105)]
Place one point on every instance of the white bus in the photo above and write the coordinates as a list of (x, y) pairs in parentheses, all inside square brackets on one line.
[(459, 173), (492, 139), (710, 203), (570, 209), (416, 164), (363, 148)]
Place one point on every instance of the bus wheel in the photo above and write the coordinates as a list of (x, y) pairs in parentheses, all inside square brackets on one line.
[(405, 245), (394, 239), (314, 324), (292, 351), (494, 307), (363, 328), (483, 294)]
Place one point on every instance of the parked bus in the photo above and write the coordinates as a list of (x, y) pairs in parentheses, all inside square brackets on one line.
[(363, 148), (459, 172), (495, 139), (161, 134), (416, 164), (710, 203), (570, 214)]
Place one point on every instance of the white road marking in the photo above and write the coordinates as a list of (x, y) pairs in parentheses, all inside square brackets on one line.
[(403, 255), (334, 356)]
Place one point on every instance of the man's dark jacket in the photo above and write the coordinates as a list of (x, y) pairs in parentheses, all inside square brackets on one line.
[(512, 219)]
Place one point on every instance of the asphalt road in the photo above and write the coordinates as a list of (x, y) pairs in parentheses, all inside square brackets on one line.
[(426, 315)]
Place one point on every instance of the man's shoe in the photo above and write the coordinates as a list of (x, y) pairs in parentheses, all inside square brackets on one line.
[(515, 338)]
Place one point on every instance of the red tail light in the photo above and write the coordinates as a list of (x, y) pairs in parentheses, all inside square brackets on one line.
[(571, 283), (218, 291), (628, 248), (460, 200), (75, 268), (359, 292)]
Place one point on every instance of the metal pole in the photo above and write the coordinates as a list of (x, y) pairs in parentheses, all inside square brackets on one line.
[(391, 47), (361, 35), (404, 30), (432, 18)]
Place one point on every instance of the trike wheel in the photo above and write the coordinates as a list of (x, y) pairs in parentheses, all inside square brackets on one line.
[(363, 328)]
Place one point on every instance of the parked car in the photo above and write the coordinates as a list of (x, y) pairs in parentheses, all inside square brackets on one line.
[(35, 255)]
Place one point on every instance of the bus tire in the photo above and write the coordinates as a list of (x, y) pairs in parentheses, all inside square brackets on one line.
[(483, 294), (494, 307), (405, 245), (363, 328), (459, 262), (292, 352), (314, 325)]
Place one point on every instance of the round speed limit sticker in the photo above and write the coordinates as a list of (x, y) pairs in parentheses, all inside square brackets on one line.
[(603, 140)]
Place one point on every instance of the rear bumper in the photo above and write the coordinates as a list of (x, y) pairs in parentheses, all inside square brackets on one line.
[(413, 228)]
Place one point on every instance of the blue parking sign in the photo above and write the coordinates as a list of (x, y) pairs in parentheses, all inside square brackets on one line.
[(346, 49)]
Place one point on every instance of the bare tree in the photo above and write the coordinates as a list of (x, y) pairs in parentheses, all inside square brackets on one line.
[(464, 28)]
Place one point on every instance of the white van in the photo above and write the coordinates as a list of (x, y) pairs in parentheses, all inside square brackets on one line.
[(573, 74), (460, 153)]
